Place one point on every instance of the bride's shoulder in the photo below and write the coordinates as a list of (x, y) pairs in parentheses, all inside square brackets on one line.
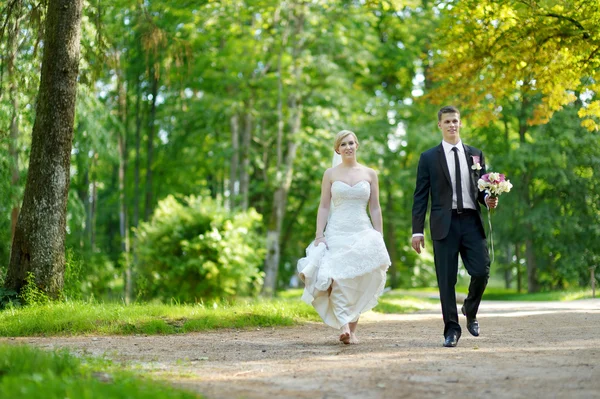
[(328, 174), (369, 171), (372, 173), (329, 171)]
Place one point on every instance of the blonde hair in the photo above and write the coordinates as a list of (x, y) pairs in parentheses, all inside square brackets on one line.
[(341, 136)]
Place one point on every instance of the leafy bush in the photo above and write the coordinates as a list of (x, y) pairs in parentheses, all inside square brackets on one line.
[(195, 249)]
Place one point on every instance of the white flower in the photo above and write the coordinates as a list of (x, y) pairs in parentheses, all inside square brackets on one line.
[(476, 166), (505, 186), (482, 184), (494, 177)]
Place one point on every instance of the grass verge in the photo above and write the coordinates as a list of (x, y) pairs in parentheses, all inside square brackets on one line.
[(80, 318), (112, 318), (33, 373), (500, 294)]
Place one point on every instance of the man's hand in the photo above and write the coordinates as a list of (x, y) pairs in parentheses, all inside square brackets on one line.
[(491, 202), (418, 242)]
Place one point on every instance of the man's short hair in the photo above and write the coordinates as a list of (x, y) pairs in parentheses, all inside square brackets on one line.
[(448, 109)]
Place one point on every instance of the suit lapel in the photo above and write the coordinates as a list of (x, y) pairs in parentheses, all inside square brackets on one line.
[(444, 163), (471, 177)]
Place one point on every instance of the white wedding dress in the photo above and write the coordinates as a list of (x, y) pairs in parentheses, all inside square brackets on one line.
[(355, 263)]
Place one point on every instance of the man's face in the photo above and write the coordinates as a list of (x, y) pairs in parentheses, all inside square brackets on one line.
[(450, 126)]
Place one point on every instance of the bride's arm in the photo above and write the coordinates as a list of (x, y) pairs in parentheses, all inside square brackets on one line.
[(374, 206), (324, 205)]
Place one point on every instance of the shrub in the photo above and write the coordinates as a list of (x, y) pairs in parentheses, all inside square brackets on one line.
[(195, 249)]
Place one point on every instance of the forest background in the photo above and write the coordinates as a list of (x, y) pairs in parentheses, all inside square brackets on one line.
[(202, 130)]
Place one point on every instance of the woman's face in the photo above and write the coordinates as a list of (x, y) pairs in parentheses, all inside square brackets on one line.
[(348, 146)]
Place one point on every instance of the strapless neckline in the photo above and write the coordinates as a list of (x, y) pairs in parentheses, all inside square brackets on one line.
[(351, 186)]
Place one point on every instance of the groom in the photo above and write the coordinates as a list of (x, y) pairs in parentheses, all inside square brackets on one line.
[(448, 173)]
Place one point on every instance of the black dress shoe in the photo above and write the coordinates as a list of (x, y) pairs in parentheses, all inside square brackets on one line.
[(472, 323), (451, 340), (473, 327)]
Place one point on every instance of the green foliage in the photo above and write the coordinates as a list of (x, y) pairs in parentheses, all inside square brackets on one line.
[(8, 298), (490, 50), (31, 294), (373, 67), (195, 249), (73, 276), (31, 373), (6, 201)]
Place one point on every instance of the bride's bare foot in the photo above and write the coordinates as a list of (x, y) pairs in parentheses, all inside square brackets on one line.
[(345, 334), (345, 338), (352, 326)]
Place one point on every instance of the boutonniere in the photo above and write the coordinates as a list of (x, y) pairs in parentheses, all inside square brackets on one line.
[(476, 165)]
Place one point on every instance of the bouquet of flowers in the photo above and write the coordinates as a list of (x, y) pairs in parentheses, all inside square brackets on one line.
[(494, 184)]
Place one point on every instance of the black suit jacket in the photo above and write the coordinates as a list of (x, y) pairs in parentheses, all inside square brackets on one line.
[(433, 179)]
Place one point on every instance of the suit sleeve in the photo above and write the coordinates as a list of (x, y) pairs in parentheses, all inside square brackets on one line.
[(421, 197)]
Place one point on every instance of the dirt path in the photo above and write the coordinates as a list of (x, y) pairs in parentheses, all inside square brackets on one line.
[(526, 350)]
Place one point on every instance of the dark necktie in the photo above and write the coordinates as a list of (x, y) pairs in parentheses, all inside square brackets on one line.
[(459, 197)]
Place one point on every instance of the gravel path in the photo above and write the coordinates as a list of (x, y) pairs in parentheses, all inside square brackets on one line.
[(526, 349)]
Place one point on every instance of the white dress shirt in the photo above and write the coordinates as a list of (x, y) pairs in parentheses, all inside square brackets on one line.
[(464, 173)]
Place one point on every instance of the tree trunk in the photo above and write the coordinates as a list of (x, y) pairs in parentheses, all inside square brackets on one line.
[(83, 187), (39, 242), (280, 196), (233, 166), (122, 141), (84, 195), (150, 147), (279, 206), (13, 45), (93, 204), (136, 179), (532, 281), (519, 274), (508, 271), (245, 157)]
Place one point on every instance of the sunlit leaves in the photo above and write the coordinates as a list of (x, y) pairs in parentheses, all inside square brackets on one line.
[(490, 49)]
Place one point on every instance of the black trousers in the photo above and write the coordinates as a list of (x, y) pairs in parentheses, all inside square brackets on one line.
[(465, 238)]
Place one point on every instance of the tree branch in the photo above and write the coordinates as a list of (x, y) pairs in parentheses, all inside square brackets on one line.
[(9, 8), (586, 34)]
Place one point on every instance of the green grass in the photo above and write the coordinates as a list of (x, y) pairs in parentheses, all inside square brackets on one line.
[(501, 294), (494, 293), (29, 373), (400, 301), (102, 319), (80, 318)]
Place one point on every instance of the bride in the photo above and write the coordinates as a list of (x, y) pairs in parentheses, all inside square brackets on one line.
[(344, 268)]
